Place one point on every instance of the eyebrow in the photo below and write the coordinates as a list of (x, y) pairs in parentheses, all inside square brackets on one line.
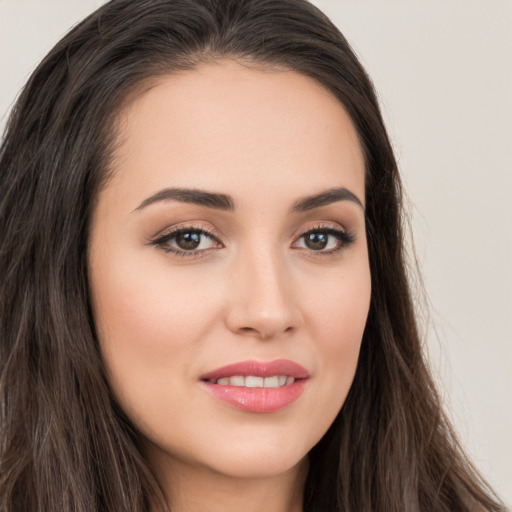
[(332, 195), (194, 196), (225, 202)]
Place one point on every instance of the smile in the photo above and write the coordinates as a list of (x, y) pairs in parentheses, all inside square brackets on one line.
[(256, 386), (252, 381)]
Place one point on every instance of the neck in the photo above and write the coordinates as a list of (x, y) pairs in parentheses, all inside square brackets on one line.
[(197, 489)]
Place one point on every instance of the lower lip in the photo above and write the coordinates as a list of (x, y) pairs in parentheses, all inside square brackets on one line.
[(257, 399)]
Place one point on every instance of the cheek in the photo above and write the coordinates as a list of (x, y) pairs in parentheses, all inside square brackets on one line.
[(337, 319), (338, 305), (149, 324)]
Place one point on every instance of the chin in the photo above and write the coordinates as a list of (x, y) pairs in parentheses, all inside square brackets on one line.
[(250, 457), (260, 465), (258, 469)]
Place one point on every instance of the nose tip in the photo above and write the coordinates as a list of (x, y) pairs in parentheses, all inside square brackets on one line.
[(256, 324), (262, 302)]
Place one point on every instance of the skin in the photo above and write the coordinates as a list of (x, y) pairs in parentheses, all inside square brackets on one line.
[(254, 291)]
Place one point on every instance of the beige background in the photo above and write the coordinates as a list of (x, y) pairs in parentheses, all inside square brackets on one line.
[(443, 70)]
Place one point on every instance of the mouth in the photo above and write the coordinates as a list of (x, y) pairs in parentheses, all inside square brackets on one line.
[(255, 386), (254, 381)]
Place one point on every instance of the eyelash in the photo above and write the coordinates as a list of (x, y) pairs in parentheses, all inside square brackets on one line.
[(345, 239), (162, 241)]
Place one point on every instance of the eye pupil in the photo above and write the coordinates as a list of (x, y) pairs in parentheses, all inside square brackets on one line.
[(188, 241), (316, 241)]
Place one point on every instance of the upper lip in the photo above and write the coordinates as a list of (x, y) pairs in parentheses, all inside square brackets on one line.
[(259, 369)]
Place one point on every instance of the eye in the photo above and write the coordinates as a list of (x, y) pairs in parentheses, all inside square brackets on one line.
[(324, 239), (187, 241)]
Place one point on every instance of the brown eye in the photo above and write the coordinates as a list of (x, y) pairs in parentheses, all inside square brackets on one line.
[(316, 241), (325, 240), (188, 241)]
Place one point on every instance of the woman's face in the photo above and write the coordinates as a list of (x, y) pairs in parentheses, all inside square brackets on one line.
[(232, 233)]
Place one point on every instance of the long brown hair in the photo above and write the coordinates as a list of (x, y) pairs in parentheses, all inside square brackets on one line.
[(65, 444)]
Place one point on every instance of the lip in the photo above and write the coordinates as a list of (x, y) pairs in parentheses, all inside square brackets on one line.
[(259, 369), (257, 400)]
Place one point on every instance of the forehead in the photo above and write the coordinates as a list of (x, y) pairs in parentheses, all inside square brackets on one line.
[(225, 124)]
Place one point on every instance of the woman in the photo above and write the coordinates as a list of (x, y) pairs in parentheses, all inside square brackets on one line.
[(204, 303)]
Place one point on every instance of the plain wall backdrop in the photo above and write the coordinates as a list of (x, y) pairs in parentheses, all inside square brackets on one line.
[(443, 71)]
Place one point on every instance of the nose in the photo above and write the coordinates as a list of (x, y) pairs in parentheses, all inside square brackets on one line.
[(262, 302)]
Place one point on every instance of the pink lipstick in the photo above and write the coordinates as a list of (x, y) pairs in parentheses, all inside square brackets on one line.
[(256, 386)]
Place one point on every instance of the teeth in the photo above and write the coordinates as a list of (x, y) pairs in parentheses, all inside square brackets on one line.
[(253, 382), (271, 382), (236, 381), (256, 382)]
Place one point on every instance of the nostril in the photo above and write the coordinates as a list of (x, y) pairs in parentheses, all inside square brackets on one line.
[(247, 329), (264, 334)]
